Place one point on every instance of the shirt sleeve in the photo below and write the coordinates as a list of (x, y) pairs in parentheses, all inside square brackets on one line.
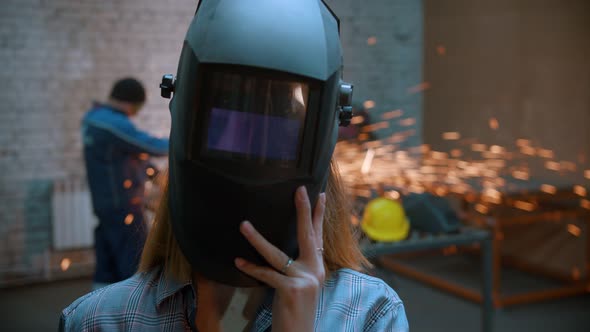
[(137, 141), (63, 324), (392, 320), (70, 318), (133, 140)]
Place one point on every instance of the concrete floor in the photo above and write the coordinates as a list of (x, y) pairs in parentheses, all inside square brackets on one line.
[(432, 310), (37, 308)]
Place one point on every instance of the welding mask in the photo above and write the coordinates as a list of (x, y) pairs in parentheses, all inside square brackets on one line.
[(256, 105)]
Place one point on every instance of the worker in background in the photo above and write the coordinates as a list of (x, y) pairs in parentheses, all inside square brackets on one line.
[(116, 155)]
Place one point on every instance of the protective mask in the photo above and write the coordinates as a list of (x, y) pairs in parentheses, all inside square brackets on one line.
[(256, 105)]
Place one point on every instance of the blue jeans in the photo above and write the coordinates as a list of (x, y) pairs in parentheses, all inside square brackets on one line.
[(119, 239)]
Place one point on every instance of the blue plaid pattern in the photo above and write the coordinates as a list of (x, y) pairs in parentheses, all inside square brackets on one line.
[(349, 301)]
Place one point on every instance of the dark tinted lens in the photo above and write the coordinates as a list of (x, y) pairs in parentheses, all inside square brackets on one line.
[(255, 118), (253, 134)]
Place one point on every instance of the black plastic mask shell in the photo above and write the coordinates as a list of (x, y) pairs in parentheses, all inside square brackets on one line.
[(208, 204)]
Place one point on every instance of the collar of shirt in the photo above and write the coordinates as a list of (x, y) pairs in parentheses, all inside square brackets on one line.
[(168, 286), (97, 105)]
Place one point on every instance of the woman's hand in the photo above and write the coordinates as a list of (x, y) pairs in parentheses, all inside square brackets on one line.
[(297, 283)]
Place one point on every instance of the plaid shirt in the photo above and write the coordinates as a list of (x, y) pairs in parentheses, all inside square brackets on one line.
[(349, 301)]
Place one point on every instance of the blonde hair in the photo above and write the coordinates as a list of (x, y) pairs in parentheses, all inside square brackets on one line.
[(341, 248)]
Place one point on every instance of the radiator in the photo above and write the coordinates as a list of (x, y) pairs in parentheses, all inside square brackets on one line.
[(73, 220)]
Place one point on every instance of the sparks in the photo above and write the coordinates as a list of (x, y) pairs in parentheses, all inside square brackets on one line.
[(574, 230), (65, 264), (545, 153), (481, 208), (579, 190), (552, 165), (419, 88), (494, 124), (129, 219), (478, 147), (549, 189), (392, 114), (451, 136), (407, 122), (526, 206), (368, 161), (368, 104)]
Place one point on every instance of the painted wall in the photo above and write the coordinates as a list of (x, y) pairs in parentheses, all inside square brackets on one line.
[(505, 70)]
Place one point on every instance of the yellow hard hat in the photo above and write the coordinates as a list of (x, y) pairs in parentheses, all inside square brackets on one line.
[(385, 220)]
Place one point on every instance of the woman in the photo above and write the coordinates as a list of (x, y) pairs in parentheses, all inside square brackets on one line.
[(275, 67), (322, 290)]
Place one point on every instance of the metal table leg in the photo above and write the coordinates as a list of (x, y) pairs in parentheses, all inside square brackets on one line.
[(487, 306)]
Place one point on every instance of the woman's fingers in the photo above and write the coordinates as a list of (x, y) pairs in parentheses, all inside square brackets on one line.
[(297, 283), (318, 219), (271, 254), (305, 233), (265, 274), (309, 237)]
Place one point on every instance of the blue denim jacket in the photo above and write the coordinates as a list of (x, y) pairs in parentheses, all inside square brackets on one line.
[(116, 152)]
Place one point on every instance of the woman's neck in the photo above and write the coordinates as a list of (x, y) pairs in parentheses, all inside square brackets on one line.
[(212, 301)]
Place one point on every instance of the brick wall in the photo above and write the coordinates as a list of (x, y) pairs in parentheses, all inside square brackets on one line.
[(58, 56)]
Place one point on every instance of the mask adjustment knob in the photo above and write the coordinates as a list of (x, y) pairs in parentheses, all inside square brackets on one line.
[(345, 104), (167, 86)]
